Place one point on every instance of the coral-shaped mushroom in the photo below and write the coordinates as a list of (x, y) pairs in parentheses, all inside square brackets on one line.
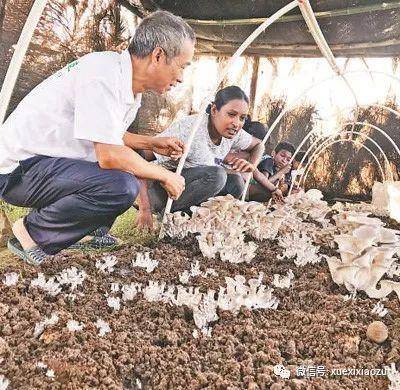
[(299, 247), (11, 279), (71, 277), (143, 260), (107, 263), (393, 376), (4, 382)]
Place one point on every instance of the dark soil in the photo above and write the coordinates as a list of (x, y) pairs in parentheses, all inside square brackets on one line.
[(153, 342)]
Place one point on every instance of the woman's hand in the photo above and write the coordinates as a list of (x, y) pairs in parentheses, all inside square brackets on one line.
[(169, 146), (242, 165)]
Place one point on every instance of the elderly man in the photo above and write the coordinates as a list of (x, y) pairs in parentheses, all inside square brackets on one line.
[(65, 151)]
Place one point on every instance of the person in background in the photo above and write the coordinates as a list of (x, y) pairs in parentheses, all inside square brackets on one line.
[(205, 176), (272, 175)]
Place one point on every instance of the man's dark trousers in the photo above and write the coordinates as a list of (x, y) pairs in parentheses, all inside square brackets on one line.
[(70, 198)]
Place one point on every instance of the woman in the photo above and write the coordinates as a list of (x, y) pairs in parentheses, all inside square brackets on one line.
[(207, 171)]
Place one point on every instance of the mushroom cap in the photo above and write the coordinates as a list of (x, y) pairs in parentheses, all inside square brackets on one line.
[(200, 211), (369, 233), (347, 257), (342, 273), (363, 220), (389, 236), (377, 332), (366, 259), (314, 194), (383, 292), (351, 244), (392, 285), (384, 256), (393, 190)]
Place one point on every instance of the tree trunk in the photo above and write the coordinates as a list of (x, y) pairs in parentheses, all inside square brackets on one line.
[(2, 13)]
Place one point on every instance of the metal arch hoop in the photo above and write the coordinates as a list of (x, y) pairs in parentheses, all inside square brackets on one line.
[(355, 132), (311, 132), (329, 139), (302, 94), (357, 143)]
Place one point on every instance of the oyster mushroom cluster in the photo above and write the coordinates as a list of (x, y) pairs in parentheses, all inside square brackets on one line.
[(367, 252), (361, 207), (222, 224), (309, 204), (307, 214), (229, 244), (176, 225)]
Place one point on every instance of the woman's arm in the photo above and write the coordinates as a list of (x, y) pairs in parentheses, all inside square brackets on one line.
[(256, 150), (236, 154), (240, 163)]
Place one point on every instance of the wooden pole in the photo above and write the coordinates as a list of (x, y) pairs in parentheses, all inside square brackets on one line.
[(253, 84)]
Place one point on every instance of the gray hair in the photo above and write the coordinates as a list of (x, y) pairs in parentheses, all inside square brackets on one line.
[(161, 29)]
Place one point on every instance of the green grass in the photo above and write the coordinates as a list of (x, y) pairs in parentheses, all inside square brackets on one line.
[(124, 228), (13, 212)]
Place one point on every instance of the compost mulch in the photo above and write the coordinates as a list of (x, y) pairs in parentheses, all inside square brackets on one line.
[(152, 344)]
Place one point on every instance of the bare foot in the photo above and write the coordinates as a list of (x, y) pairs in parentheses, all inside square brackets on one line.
[(22, 235)]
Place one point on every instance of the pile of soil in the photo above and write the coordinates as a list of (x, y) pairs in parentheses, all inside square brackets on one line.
[(151, 344)]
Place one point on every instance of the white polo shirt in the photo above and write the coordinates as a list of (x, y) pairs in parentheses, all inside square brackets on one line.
[(90, 100)]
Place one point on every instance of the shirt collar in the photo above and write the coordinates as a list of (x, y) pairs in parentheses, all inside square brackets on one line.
[(126, 70)]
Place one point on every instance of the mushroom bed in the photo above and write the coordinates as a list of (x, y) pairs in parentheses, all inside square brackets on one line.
[(155, 343)]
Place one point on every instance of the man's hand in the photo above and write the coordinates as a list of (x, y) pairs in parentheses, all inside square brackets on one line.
[(277, 196), (241, 165), (169, 146), (144, 220), (174, 184)]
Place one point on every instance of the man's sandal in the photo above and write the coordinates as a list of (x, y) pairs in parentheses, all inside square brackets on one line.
[(33, 256), (101, 239)]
